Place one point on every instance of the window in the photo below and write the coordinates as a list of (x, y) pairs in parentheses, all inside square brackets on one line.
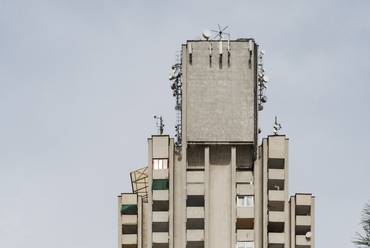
[(160, 164), (245, 244), (244, 201)]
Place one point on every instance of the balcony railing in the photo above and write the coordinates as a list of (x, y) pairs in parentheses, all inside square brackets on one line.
[(276, 238), (160, 237), (195, 235), (195, 212), (129, 239)]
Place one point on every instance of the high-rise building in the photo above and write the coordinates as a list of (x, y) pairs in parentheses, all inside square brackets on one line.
[(214, 186)]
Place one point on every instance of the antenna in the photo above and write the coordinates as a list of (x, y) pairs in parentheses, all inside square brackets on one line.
[(160, 125), (206, 34), (220, 32), (176, 86), (277, 126), (262, 78)]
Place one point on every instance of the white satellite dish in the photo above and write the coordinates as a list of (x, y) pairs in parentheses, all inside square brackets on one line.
[(206, 34), (265, 78), (263, 52), (308, 235)]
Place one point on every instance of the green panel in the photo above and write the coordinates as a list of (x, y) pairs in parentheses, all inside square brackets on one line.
[(160, 184), (129, 210)]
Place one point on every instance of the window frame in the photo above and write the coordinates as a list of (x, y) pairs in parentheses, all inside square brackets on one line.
[(160, 164), (245, 200), (245, 244)]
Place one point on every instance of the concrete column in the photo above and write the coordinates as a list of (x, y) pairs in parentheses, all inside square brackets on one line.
[(150, 195), (258, 194), (139, 222), (233, 198), (206, 196), (292, 221), (286, 190), (119, 222), (183, 195), (265, 190), (313, 222), (171, 196)]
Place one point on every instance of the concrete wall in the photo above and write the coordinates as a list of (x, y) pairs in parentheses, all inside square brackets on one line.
[(220, 100)]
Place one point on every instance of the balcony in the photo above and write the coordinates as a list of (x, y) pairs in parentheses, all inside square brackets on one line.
[(276, 195), (303, 200), (303, 220), (129, 219), (129, 239), (160, 195), (160, 237), (276, 238), (276, 216), (195, 235), (195, 176), (160, 216), (278, 174), (301, 240), (245, 235), (245, 212), (195, 189), (160, 174), (129, 199), (244, 177), (195, 212), (244, 189)]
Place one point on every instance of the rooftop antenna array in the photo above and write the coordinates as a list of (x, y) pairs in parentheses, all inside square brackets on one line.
[(176, 86), (160, 125), (220, 32), (277, 126), (262, 81)]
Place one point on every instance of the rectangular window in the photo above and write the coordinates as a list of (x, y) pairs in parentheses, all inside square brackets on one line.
[(245, 244), (244, 201), (159, 164)]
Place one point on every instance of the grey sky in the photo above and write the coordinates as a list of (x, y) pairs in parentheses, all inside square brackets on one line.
[(80, 82)]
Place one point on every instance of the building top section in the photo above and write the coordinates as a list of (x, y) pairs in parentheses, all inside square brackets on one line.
[(220, 91)]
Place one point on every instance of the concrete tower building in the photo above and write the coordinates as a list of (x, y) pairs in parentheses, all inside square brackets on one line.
[(215, 187)]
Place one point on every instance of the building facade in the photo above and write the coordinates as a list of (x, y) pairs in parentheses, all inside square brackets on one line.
[(215, 187)]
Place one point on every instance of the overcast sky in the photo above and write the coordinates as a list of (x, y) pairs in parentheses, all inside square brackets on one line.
[(81, 80)]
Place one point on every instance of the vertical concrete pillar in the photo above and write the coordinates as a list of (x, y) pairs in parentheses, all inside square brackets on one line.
[(139, 222), (150, 197), (171, 199), (206, 196), (286, 190), (265, 190), (258, 194), (292, 221), (313, 222), (233, 198), (119, 222)]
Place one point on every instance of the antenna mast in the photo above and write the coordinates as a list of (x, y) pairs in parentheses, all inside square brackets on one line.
[(160, 125), (277, 126), (176, 86)]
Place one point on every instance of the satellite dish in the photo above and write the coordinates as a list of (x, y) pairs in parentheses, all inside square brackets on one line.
[(308, 235), (264, 99), (263, 52), (265, 78), (198, 38), (206, 34)]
